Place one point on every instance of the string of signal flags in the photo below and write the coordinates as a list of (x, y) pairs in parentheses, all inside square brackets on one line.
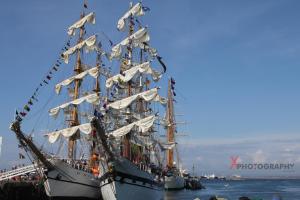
[(21, 114)]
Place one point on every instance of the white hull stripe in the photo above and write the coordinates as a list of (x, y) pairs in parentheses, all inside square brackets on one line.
[(73, 182)]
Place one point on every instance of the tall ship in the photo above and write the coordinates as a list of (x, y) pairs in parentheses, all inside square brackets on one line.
[(173, 178), (72, 175), (117, 117), (128, 123)]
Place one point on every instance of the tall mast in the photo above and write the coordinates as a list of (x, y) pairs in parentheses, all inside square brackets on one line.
[(170, 130), (126, 143), (74, 115)]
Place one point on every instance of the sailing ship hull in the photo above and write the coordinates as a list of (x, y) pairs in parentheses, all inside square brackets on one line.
[(174, 182), (129, 182), (65, 182)]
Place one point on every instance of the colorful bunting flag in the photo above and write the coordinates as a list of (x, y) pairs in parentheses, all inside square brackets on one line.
[(173, 81), (30, 102), (34, 98), (146, 9), (23, 114), (161, 62), (26, 107)]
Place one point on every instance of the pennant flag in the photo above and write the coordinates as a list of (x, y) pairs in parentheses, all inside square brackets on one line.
[(85, 4), (110, 42), (26, 107), (146, 9), (172, 87), (174, 93), (161, 62), (30, 102), (34, 98), (173, 81), (55, 69), (41, 84), (48, 77), (23, 114), (68, 43), (45, 81), (21, 156), (66, 48), (18, 118), (37, 89)]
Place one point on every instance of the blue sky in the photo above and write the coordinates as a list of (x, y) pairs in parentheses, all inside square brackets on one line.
[(236, 63)]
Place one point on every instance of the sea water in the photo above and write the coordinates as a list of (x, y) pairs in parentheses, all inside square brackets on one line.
[(232, 190)]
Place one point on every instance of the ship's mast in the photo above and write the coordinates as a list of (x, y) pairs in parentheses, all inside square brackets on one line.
[(77, 82), (126, 143), (171, 128), (96, 90)]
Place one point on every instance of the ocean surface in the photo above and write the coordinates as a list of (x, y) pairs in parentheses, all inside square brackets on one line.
[(232, 190)]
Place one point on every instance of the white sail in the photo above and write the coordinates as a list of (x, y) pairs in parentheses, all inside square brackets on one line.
[(136, 10), (143, 126), (91, 98), (89, 43), (94, 72), (149, 95), (129, 74), (68, 132), (167, 146), (88, 18), (137, 40)]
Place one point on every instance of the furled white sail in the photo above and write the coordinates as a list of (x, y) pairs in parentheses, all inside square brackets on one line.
[(143, 126), (136, 10), (94, 72), (91, 98), (89, 44), (88, 18), (68, 132), (149, 95), (137, 40), (129, 74), (167, 146)]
